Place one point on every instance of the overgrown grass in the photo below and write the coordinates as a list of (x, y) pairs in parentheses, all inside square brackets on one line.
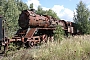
[(72, 48)]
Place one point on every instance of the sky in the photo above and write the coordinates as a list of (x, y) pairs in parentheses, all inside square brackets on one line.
[(63, 8)]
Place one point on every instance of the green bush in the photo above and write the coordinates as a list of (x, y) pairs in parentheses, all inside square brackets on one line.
[(59, 33)]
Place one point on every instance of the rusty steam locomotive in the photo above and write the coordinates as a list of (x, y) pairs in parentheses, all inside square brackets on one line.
[(36, 28)]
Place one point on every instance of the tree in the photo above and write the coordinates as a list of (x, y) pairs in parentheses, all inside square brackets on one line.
[(21, 6), (81, 17), (40, 11), (10, 10), (31, 6), (2, 6), (11, 15), (49, 12), (52, 13), (1, 10), (59, 33)]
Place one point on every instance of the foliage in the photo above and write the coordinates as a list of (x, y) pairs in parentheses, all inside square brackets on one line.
[(31, 6), (49, 12), (81, 18), (40, 11), (10, 10), (59, 33), (21, 5), (12, 47), (52, 13), (11, 16), (2, 7)]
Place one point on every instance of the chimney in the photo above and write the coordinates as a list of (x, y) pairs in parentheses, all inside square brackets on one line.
[(33, 10)]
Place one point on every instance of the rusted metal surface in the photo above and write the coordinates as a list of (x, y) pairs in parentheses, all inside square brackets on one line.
[(47, 28), (69, 29), (72, 28), (34, 39), (30, 32), (30, 19), (63, 24)]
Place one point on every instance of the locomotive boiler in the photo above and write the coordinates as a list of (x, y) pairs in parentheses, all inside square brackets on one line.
[(29, 18)]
